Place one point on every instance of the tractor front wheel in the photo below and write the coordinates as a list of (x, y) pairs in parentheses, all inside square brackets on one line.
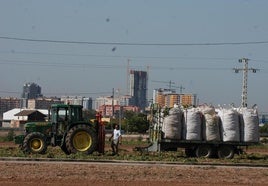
[(81, 138), (34, 143)]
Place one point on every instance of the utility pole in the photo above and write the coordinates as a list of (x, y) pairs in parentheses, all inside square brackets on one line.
[(245, 70), (113, 103)]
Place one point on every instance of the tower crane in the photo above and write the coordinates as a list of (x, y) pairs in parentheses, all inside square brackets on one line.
[(170, 83)]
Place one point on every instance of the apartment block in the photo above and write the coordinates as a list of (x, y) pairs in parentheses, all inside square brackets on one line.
[(188, 99), (86, 102), (168, 97), (8, 104), (42, 103)]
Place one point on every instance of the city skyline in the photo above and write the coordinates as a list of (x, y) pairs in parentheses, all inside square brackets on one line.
[(86, 47)]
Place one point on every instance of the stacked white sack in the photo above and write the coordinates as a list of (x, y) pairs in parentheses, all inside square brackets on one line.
[(172, 124), (230, 125), (192, 124), (211, 127), (250, 123)]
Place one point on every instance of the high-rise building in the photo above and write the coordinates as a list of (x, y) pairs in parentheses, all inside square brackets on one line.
[(31, 91), (138, 87)]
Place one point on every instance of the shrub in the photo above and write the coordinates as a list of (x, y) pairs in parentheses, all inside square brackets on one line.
[(10, 135)]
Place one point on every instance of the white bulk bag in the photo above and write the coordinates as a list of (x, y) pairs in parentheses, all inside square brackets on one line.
[(212, 128), (192, 124), (172, 124), (250, 125), (230, 125)]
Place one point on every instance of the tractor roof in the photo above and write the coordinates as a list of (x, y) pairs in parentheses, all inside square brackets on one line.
[(65, 106)]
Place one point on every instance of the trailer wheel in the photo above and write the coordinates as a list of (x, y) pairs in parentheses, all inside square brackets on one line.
[(226, 152), (35, 143), (204, 151), (81, 138)]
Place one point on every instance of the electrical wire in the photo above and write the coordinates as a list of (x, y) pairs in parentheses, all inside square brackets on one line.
[(133, 44)]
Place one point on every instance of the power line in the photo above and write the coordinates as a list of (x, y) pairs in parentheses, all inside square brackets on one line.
[(131, 57), (80, 65), (133, 44), (118, 56)]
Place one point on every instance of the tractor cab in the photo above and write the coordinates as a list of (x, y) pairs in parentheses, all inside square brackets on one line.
[(63, 117), (62, 112)]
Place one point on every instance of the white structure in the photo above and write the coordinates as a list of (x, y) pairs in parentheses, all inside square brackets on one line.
[(9, 116)]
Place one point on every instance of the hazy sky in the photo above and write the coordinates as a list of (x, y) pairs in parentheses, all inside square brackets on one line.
[(84, 47)]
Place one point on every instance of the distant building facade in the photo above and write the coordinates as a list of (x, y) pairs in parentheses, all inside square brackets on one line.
[(8, 104), (42, 103), (138, 87), (17, 117), (114, 111), (86, 102), (110, 106), (31, 91), (163, 97), (188, 99), (167, 98)]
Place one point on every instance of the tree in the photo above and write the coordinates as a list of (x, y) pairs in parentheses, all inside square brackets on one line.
[(136, 122), (89, 114)]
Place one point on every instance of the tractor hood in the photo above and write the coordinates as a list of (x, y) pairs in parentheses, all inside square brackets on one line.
[(43, 127)]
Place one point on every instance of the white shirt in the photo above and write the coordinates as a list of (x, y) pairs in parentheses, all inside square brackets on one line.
[(117, 134)]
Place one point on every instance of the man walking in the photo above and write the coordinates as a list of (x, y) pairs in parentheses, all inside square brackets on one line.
[(115, 139)]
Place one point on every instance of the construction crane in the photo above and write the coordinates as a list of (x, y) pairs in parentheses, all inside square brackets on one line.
[(170, 83), (180, 88), (245, 70)]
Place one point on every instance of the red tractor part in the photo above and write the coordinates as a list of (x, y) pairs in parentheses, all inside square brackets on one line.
[(101, 132)]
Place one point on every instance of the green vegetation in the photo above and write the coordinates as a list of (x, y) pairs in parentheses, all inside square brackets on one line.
[(131, 122), (128, 155), (264, 129), (9, 137)]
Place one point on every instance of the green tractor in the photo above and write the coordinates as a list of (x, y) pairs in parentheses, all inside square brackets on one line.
[(65, 128)]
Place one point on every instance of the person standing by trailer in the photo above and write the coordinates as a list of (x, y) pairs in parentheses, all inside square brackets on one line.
[(115, 139)]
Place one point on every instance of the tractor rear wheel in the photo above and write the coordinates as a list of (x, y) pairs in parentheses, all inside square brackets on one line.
[(81, 138), (35, 143)]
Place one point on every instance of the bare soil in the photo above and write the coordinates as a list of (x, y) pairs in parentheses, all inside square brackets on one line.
[(34, 173)]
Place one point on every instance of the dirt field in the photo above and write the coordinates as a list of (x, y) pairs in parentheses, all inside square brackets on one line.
[(75, 173), (62, 173)]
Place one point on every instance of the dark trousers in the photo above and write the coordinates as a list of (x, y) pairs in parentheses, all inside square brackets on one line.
[(114, 145)]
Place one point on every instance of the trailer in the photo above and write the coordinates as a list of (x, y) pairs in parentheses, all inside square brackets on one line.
[(242, 134)]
